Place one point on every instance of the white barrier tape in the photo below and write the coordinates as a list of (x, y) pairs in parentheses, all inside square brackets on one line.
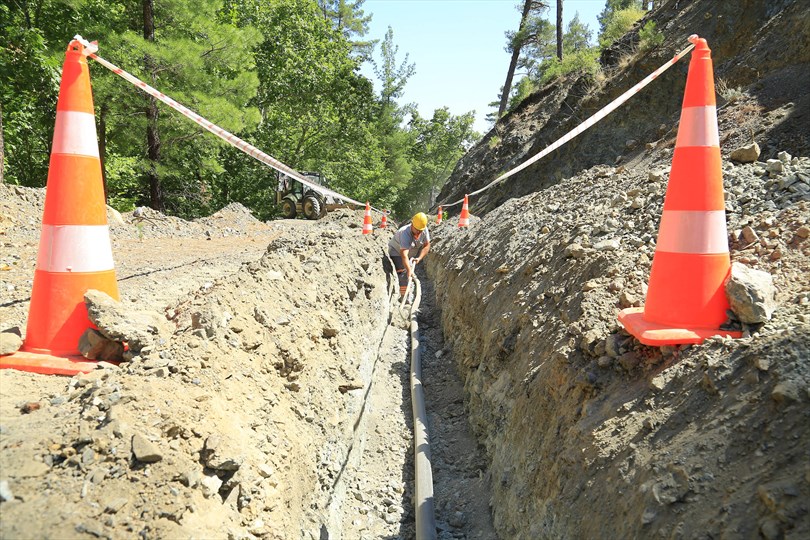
[(599, 115), (230, 138)]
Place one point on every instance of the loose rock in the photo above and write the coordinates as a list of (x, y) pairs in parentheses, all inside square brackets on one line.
[(751, 294), (144, 450)]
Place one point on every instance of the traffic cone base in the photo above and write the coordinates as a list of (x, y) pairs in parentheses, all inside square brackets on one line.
[(46, 364), (705, 306), (62, 312), (657, 335)]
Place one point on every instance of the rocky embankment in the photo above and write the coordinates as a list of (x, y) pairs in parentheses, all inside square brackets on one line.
[(590, 434)]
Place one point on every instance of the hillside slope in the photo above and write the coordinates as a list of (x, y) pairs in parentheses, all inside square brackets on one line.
[(761, 54)]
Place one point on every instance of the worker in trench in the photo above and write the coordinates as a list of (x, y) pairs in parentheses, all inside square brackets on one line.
[(409, 245)]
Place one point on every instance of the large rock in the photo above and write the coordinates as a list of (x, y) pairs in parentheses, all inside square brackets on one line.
[(145, 450), (221, 455), (138, 328), (751, 294), (94, 346), (10, 342), (746, 154)]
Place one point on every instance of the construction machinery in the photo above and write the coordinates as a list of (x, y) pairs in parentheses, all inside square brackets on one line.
[(294, 198)]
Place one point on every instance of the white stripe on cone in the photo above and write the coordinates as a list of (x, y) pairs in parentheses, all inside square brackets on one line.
[(75, 134), (698, 127), (75, 248), (693, 231)]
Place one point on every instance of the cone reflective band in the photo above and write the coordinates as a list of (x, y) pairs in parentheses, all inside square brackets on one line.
[(464, 218), (439, 217), (686, 300), (367, 226), (74, 250)]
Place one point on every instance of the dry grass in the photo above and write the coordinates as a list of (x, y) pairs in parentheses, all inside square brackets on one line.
[(728, 93)]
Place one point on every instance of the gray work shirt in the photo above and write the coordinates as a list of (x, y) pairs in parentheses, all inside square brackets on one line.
[(403, 239)]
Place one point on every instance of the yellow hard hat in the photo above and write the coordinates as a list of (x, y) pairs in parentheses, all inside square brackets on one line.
[(419, 221)]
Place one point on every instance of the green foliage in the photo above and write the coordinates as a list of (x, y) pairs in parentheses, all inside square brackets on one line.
[(577, 37), (583, 61), (539, 56), (281, 74), (29, 83), (349, 19), (122, 173), (618, 24), (522, 90), (438, 144), (650, 37), (610, 9)]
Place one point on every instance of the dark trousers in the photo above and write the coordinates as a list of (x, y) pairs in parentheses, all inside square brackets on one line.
[(402, 274)]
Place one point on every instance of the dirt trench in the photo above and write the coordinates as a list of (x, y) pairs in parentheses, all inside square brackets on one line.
[(277, 408)]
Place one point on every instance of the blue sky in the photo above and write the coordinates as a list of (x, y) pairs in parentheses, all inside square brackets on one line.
[(458, 47)]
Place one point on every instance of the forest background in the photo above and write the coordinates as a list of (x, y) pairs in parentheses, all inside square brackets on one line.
[(285, 75)]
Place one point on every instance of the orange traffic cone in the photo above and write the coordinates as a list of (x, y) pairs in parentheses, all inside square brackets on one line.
[(384, 222), (367, 227), (464, 218), (74, 249), (686, 300), (439, 217)]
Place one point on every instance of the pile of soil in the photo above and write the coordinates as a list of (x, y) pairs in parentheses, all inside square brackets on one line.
[(237, 425)]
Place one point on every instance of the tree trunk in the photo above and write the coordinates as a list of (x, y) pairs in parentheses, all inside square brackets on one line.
[(560, 29), (2, 147), (152, 135), (507, 85), (102, 145)]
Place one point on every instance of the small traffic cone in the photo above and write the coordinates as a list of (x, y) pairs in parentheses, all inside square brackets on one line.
[(439, 217), (74, 249), (384, 222), (367, 227), (686, 300), (464, 218)]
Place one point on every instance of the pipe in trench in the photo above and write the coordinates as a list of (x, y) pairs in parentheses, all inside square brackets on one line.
[(423, 474)]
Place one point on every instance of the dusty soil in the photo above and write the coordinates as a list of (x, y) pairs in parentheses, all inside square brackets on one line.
[(278, 408)]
